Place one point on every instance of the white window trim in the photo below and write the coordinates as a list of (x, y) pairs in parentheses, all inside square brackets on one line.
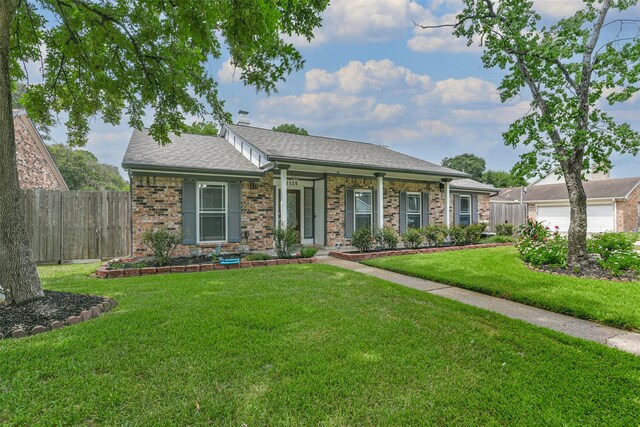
[(226, 212), (363, 190), (419, 213), (468, 197)]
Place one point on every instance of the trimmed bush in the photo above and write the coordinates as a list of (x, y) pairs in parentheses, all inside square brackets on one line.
[(616, 251), (504, 229), (387, 238), (473, 233), (435, 235), (308, 251), (362, 239), (457, 235), (537, 245), (412, 238), (258, 256), (162, 243)]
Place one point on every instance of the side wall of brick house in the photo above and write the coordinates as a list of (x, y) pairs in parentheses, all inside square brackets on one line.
[(627, 212), (157, 202)]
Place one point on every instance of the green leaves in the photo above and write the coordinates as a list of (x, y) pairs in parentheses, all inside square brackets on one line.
[(109, 58)]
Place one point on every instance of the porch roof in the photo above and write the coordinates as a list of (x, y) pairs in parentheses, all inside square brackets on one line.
[(319, 150)]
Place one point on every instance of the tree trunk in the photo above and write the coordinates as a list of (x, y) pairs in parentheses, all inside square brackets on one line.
[(577, 255), (18, 275)]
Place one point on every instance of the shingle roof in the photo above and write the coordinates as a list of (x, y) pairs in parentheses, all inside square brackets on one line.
[(189, 152), (470, 184), (332, 151), (600, 189)]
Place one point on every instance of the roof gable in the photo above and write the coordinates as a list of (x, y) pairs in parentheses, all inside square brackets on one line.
[(616, 188)]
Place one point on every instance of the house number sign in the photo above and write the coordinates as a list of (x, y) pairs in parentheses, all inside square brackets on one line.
[(292, 182)]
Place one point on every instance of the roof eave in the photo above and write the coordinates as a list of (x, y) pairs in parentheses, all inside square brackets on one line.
[(366, 167), (185, 170)]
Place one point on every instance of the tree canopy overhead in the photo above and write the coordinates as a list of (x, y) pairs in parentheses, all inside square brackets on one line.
[(569, 70), (290, 128), (202, 128), (467, 163), (133, 58)]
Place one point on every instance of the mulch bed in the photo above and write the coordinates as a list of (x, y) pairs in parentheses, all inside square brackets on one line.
[(54, 306), (591, 271)]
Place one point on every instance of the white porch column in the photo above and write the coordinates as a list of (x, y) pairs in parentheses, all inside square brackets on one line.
[(380, 177), (447, 203), (283, 195)]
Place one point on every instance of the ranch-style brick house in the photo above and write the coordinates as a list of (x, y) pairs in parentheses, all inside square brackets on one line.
[(228, 189)]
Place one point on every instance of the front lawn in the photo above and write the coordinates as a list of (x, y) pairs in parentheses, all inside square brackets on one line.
[(303, 345), (500, 272)]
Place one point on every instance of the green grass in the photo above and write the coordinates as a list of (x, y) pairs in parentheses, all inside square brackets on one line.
[(303, 345), (500, 272)]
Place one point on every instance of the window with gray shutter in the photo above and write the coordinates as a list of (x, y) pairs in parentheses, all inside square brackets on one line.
[(425, 209), (235, 212), (403, 211), (189, 212), (348, 203)]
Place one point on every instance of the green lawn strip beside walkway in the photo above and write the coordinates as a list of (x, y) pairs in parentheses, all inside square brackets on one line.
[(500, 272), (303, 345)]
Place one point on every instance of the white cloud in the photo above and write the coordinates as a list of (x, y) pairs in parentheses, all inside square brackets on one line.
[(438, 39), (326, 107), (228, 73), (419, 132), (487, 116), (436, 127), (459, 91), (357, 77), (557, 8), (365, 20)]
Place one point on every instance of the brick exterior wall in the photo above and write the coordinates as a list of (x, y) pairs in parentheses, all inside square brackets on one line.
[(157, 202), (34, 167), (336, 189), (627, 212)]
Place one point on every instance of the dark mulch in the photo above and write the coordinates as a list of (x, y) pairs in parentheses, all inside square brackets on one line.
[(53, 306), (591, 271)]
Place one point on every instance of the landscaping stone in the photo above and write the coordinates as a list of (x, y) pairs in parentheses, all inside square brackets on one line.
[(178, 268), (163, 270), (148, 270), (115, 274), (271, 262), (85, 314), (260, 263), (38, 330), (206, 267), (246, 264), (192, 268), (131, 272), (74, 320), (282, 261), (95, 311), (219, 267), (57, 325), (19, 333), (232, 266)]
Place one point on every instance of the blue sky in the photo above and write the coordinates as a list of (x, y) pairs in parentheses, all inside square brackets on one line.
[(371, 75)]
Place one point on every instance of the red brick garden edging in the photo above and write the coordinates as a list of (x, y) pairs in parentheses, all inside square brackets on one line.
[(95, 311), (105, 273), (357, 257)]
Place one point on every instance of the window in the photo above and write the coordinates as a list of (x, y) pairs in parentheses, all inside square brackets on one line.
[(414, 210), (212, 212), (363, 208), (465, 210)]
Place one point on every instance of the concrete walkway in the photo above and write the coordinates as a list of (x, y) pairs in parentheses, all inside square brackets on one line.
[(612, 337)]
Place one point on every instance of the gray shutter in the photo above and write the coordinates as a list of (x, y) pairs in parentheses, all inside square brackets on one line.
[(474, 209), (456, 209), (189, 194), (425, 209), (374, 206), (234, 220), (275, 207), (403, 211), (348, 223)]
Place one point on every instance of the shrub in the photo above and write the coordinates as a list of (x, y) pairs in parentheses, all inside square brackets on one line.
[(499, 239), (387, 238), (457, 235), (162, 243), (362, 239), (538, 246), (435, 235), (504, 229), (286, 239), (616, 251), (308, 251), (258, 256), (473, 233), (412, 238)]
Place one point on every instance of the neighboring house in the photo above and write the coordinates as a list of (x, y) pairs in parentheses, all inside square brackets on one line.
[(612, 204), (228, 189), (36, 168)]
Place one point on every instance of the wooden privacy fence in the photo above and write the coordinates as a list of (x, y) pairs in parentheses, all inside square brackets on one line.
[(74, 225), (502, 213)]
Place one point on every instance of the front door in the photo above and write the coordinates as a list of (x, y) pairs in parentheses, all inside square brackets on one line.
[(293, 209)]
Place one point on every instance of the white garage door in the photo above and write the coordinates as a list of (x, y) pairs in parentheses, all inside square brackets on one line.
[(599, 217)]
